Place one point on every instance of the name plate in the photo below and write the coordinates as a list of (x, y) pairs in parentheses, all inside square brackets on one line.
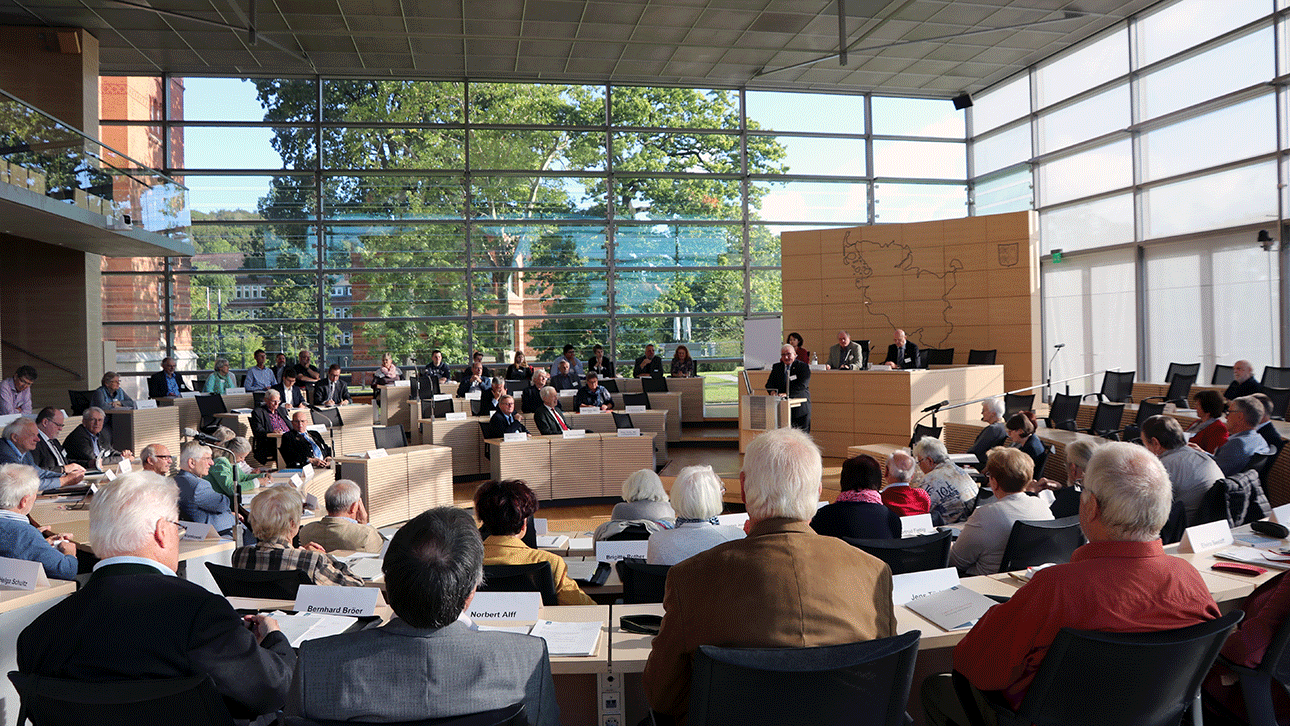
[(190, 394), (233, 391), (575, 434), (917, 524), (914, 585), (442, 397), (568, 393), (474, 395), (401, 384), (21, 574), (539, 525), (297, 482), (1281, 514), (455, 416), (198, 531), (1205, 537), (320, 429), (377, 454), (636, 409), (628, 433), (107, 474), (145, 404), (515, 436), (733, 520), (353, 601), (588, 409), (628, 550), (124, 466), (307, 473), (504, 606)]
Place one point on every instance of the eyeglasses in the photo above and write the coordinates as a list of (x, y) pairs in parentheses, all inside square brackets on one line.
[(181, 528), (167, 457)]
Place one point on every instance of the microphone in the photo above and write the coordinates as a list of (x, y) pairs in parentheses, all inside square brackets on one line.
[(1059, 346), (936, 406), (199, 436)]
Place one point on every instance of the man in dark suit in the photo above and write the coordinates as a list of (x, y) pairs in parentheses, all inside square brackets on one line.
[(548, 419), (90, 445), (564, 378), (648, 365), (267, 418), (791, 378), (333, 391), (603, 367), (301, 446), (473, 380), (504, 420), (901, 354), (136, 620), (846, 355), (293, 396), (432, 567), (21, 437), (165, 383), (531, 398), (49, 453)]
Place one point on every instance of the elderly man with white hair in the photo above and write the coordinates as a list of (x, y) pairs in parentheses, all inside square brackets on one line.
[(550, 421), (1244, 441), (135, 620), (345, 527), (19, 486), (21, 437), (784, 586), (1243, 381), (696, 497), (90, 444), (948, 487), (198, 500), (994, 434), (268, 418), (1121, 582)]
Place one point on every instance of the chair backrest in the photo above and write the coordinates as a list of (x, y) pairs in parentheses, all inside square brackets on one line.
[(1182, 369), (630, 533), (856, 683), (1275, 377), (1168, 668), (533, 577), (389, 437), (486, 432), (623, 420), (981, 357), (1180, 389), (654, 384), (1118, 385), (510, 716), (864, 350), (642, 583), (211, 404), (609, 384), (476, 406), (1147, 410), (257, 398), (516, 386), (940, 357), (1063, 411), (1106, 419), (60, 702), (1042, 460), (1035, 543), (427, 387), (920, 431), (1280, 398), (1262, 465), (329, 417), (441, 408), (1175, 525), (636, 399), (1223, 375), (273, 584), (80, 401), (910, 554), (922, 358), (1016, 403)]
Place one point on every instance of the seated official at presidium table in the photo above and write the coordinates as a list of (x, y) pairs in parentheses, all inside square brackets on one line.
[(1121, 581), (845, 356), (345, 527), (901, 354), (275, 520), (426, 663), (21, 437), (791, 378), (784, 586), (136, 620), (19, 486)]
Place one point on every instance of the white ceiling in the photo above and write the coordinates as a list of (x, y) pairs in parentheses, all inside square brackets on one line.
[(901, 47)]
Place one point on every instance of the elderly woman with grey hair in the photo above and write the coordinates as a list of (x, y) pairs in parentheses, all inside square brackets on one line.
[(109, 395), (645, 504), (220, 379), (696, 498), (949, 487), (227, 473)]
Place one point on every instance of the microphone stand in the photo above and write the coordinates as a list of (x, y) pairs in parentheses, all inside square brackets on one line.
[(1048, 383)]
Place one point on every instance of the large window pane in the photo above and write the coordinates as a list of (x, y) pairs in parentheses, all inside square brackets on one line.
[(541, 339), (208, 147), (1086, 173), (718, 336), (1011, 192), (1234, 65), (523, 197), (131, 98), (1089, 304), (540, 104), (250, 197), (674, 108), (692, 153), (918, 202), (234, 247), (393, 197), (1001, 149), (1085, 226), (366, 246), (820, 156), (920, 159), (917, 117), (767, 287), (536, 150), (692, 198), (1090, 65), (541, 292), (383, 295), (242, 99), (1000, 105), (665, 292), (393, 148), (669, 245), (393, 102), (783, 111), (819, 202), (1247, 195), (1236, 132), (1101, 114), (1184, 24), (538, 245)]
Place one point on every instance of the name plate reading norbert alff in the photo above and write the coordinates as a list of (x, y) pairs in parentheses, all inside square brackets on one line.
[(505, 606), (354, 601)]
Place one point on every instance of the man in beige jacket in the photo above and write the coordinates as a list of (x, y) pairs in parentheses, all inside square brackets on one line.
[(345, 527)]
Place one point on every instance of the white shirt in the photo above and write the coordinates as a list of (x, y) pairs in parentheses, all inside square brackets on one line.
[(132, 560)]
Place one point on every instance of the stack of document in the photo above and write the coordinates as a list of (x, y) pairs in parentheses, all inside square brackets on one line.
[(306, 626), (568, 638), (1252, 556), (552, 541), (957, 608)]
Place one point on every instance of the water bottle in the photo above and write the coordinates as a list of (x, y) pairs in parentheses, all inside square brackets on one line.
[(815, 359)]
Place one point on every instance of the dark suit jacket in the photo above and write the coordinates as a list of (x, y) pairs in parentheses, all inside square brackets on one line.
[(295, 399), (296, 451), (1267, 431), (322, 393), (546, 422), (266, 449), (80, 447), (798, 387), (862, 520), (653, 368), (910, 360), (530, 399), (464, 386), (1250, 387), (187, 631), (46, 458), (157, 384), (604, 370), (499, 425)]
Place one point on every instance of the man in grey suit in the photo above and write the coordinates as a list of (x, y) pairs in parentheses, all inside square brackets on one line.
[(846, 355), (425, 663), (198, 500)]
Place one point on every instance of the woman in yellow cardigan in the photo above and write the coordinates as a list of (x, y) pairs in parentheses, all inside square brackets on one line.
[(504, 508)]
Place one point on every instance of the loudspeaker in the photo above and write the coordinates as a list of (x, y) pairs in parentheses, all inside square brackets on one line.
[(962, 102)]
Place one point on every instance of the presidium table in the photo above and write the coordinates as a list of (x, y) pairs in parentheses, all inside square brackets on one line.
[(849, 408)]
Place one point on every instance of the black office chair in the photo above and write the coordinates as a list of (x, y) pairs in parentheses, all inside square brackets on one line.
[(630, 533), (486, 432), (1133, 432), (622, 420), (1280, 398), (1063, 411), (1016, 403), (389, 437), (909, 554), (654, 384), (1179, 391), (516, 387), (1042, 460), (329, 417), (1262, 465), (1175, 525), (427, 387), (534, 577), (940, 357), (81, 400), (271, 584), (864, 352), (441, 408), (1256, 683), (60, 702), (477, 407), (1275, 377), (1164, 682), (922, 359), (921, 431), (513, 715), (257, 398), (1106, 420), (642, 583), (1223, 375), (856, 683), (609, 384), (208, 406), (1036, 543), (636, 399), (1117, 386), (982, 357)]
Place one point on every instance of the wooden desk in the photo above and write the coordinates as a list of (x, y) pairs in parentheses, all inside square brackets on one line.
[(394, 408), (134, 429), (559, 468), (403, 484), (239, 423), (465, 439), (651, 421), (189, 416), (691, 390)]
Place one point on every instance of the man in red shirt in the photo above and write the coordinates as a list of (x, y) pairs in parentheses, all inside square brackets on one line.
[(898, 495), (1121, 581)]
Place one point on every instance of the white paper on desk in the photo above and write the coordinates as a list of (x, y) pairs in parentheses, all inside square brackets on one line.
[(916, 524), (733, 520), (505, 606), (521, 629), (124, 466), (1252, 556), (957, 608), (964, 459), (539, 525), (299, 627), (568, 638), (580, 544), (144, 404), (368, 568), (580, 569), (240, 410), (198, 531), (552, 541), (1205, 537), (515, 436), (455, 416), (628, 433), (624, 550), (377, 454), (636, 409), (474, 395), (320, 429), (21, 574), (233, 391), (330, 600), (1281, 514), (916, 585)]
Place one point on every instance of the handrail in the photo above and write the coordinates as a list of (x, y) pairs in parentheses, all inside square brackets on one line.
[(1019, 390), (42, 358)]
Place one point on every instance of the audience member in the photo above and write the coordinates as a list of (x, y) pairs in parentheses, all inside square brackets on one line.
[(995, 432), (1021, 433), (569, 355), (306, 371), (1062, 498), (696, 498), (1243, 381), (1121, 581), (473, 381), (1210, 432), (135, 620), (898, 495), (648, 365), (948, 487), (109, 395), (593, 394), (275, 520), (386, 374), (519, 369), (1191, 472), (165, 383), (49, 453), (858, 511), (504, 420), (19, 540), (198, 500), (504, 508), (1265, 613), (90, 444), (644, 498), (226, 474), (437, 368), (21, 437), (979, 548), (432, 569), (220, 379), (531, 397), (292, 395), (156, 458), (267, 418), (259, 377), (345, 527), (564, 379), (301, 446), (478, 357), (15, 393), (682, 364), (1266, 428), (488, 400), (333, 391), (1243, 415), (602, 366), (901, 354), (548, 419), (795, 340), (845, 356), (784, 586)]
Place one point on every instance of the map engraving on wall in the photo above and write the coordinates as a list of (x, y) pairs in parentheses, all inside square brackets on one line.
[(935, 277)]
